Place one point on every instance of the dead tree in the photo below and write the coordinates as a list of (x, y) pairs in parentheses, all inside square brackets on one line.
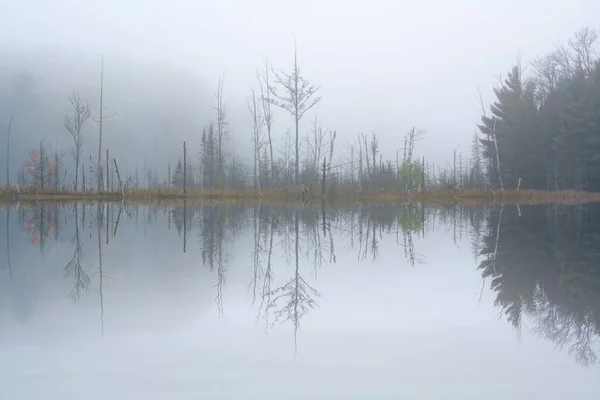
[(495, 141), (257, 136), (318, 145), (101, 118), (367, 162), (350, 150), (74, 123), (360, 163), (265, 99), (297, 99), (8, 151), (221, 125), (374, 146), (100, 122)]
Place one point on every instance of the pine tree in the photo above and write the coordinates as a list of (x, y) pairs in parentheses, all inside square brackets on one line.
[(513, 126), (177, 175)]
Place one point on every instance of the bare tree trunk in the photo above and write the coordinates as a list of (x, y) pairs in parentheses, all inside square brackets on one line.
[(297, 162), (8, 151), (298, 99), (107, 159), (77, 173), (266, 102), (100, 133), (360, 164), (423, 175), (367, 160), (7, 210), (221, 128), (495, 141), (498, 159), (100, 270), (56, 171), (184, 221), (121, 188), (42, 157), (352, 164), (324, 165), (184, 170)]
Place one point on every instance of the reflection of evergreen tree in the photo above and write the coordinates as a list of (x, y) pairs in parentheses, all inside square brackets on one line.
[(546, 266), (178, 214)]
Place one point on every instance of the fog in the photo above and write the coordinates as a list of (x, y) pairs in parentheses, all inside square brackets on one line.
[(383, 66)]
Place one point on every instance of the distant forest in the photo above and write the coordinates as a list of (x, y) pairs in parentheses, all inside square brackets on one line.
[(542, 131)]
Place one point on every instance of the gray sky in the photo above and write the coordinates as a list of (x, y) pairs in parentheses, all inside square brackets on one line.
[(384, 66)]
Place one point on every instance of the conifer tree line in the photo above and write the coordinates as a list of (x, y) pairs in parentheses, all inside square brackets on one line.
[(543, 129)]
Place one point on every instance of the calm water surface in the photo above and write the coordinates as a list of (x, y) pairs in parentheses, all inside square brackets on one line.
[(365, 302)]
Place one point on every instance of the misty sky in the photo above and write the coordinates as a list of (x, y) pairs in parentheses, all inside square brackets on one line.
[(384, 66)]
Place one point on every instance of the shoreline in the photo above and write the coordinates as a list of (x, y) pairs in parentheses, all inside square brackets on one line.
[(431, 196)]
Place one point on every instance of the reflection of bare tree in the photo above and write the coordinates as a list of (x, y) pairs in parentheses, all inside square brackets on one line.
[(220, 281), (267, 276), (577, 330), (257, 252), (8, 263), (212, 235), (293, 300), (100, 273), (119, 219), (182, 218), (73, 268), (184, 225)]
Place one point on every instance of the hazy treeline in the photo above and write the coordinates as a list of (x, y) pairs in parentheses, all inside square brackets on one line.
[(542, 131), (152, 109), (539, 261)]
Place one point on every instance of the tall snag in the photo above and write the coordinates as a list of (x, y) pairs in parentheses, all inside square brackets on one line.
[(297, 99)]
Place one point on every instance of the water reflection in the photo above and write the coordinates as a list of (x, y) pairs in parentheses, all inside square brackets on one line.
[(539, 262), (544, 264)]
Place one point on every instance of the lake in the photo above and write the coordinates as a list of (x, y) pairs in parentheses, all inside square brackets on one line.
[(119, 301)]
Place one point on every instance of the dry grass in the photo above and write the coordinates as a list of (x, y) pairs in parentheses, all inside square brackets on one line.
[(294, 195), (29, 193)]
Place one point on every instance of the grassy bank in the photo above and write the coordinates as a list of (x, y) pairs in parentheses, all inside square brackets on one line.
[(433, 196)]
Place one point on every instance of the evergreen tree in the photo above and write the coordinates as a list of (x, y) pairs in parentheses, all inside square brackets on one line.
[(177, 176)]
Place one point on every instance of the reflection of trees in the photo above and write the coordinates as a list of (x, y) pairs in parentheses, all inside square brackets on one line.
[(216, 225), (412, 221), (258, 252), (100, 210), (544, 264), (267, 275), (178, 214), (211, 235), (294, 299), (40, 225), (73, 268), (8, 261)]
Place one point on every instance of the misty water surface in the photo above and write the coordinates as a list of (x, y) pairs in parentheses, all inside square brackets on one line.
[(164, 302)]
